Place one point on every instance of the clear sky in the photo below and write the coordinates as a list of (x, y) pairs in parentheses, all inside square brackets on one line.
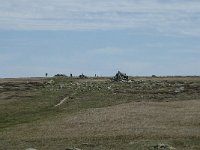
[(139, 37)]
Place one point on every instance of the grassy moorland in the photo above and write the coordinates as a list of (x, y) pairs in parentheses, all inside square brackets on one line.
[(98, 114)]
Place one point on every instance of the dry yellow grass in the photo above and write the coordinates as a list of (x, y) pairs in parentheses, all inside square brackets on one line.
[(138, 119)]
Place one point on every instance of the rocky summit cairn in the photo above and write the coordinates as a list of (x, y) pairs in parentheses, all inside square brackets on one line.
[(82, 76), (120, 77)]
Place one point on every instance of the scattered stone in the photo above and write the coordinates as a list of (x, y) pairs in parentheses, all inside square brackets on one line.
[(1, 87), (180, 89), (51, 82), (61, 86), (72, 148), (109, 88), (88, 144), (77, 83), (130, 81), (31, 149), (161, 146)]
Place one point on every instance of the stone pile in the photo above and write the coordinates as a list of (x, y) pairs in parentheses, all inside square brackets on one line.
[(161, 146), (120, 77)]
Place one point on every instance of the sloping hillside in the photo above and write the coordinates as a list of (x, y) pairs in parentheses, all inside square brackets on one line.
[(99, 114)]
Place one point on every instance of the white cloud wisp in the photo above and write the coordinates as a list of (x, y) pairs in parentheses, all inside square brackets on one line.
[(170, 17)]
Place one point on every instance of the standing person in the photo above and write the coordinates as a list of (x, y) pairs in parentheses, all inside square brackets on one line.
[(46, 74)]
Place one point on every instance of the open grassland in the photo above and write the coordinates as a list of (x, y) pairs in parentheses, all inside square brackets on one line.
[(98, 114)]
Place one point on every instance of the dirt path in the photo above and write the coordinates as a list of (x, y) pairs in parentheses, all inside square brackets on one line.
[(64, 100), (61, 102)]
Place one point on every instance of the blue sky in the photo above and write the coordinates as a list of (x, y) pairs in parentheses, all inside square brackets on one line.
[(139, 37)]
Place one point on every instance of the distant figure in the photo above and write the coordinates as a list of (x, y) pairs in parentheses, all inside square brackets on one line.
[(95, 75), (46, 74), (71, 75)]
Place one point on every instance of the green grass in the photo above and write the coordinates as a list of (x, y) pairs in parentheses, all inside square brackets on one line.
[(27, 110), (89, 94)]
